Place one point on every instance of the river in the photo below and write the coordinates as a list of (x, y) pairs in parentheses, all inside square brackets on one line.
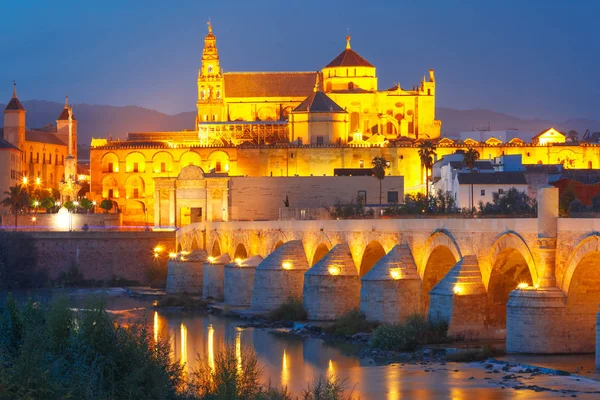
[(294, 362)]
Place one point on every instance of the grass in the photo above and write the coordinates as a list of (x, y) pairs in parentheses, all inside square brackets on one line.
[(291, 310), (406, 336), (353, 322)]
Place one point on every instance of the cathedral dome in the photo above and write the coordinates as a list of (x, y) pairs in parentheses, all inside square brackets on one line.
[(348, 58)]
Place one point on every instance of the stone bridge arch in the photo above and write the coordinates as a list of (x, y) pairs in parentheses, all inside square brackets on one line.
[(215, 245), (586, 246), (439, 238), (512, 240), (274, 240)]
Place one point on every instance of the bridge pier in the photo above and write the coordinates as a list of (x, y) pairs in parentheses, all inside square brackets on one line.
[(391, 290), (239, 281), (460, 300), (185, 273), (598, 342), (279, 277), (214, 277), (332, 285)]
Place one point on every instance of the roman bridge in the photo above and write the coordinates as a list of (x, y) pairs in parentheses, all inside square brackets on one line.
[(535, 281)]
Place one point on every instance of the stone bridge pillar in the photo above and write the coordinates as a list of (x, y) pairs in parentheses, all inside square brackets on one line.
[(598, 342), (535, 316)]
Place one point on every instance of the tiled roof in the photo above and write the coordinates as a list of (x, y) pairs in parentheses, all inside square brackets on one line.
[(14, 104), (269, 84), (348, 58), (43, 137), (492, 178), (64, 115), (546, 130), (318, 102), (6, 145)]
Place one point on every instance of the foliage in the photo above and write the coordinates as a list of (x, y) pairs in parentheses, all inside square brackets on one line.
[(327, 389), (470, 157), (566, 196), (106, 205), (72, 277), (380, 164), (51, 352), (16, 198), (470, 355), (18, 262), (426, 154), (573, 136), (510, 202), (86, 203), (354, 321), (69, 205), (355, 209), (406, 336), (48, 202), (419, 204), (291, 310), (577, 206)]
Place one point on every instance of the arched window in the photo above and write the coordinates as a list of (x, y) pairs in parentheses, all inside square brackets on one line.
[(589, 165), (390, 128), (354, 121), (210, 69), (350, 85)]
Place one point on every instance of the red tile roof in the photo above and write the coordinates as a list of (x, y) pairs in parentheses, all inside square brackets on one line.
[(348, 58), (64, 115), (14, 104), (318, 102), (269, 84)]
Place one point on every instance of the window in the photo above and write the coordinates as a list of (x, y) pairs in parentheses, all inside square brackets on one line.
[(43, 158), (136, 193), (202, 94), (218, 166), (589, 165), (362, 163), (62, 159), (500, 191), (319, 140), (136, 167), (392, 197), (111, 193), (390, 128), (163, 167), (362, 196), (56, 159), (350, 85), (482, 192), (218, 94), (31, 156), (37, 158), (110, 167), (50, 159), (210, 69)]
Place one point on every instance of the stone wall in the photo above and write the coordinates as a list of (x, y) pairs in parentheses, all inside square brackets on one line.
[(102, 255), (62, 222)]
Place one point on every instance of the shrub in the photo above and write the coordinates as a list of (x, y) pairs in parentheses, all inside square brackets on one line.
[(291, 310), (469, 355), (354, 321), (406, 336), (327, 389), (106, 205), (577, 206)]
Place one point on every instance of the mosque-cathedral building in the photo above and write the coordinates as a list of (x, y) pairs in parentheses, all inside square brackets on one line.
[(271, 125)]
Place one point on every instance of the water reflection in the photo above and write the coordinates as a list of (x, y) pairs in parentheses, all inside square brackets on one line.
[(156, 327), (211, 348), (238, 348), (184, 348), (285, 370)]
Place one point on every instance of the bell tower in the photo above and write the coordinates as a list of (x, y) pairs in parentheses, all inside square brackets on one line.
[(210, 82)]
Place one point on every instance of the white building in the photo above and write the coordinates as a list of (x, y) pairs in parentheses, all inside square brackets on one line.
[(472, 188)]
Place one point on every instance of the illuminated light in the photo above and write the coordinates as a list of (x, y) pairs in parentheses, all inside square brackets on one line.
[(238, 261), (183, 359), (457, 289), (185, 252), (58, 203), (331, 370), (286, 265), (82, 177), (536, 286), (155, 327), (33, 219), (334, 270), (211, 259), (94, 203), (523, 285), (36, 203), (285, 371), (156, 255), (226, 167), (182, 258), (75, 203), (396, 274), (172, 255), (238, 349), (211, 348), (158, 249), (25, 180), (38, 180), (62, 219)]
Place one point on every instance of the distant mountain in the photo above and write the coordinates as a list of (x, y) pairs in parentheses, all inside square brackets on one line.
[(105, 121)]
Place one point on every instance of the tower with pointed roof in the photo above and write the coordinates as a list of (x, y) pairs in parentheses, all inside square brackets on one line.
[(14, 121), (349, 72), (210, 82), (62, 127)]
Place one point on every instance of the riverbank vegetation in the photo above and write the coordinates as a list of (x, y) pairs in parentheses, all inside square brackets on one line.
[(48, 351), (351, 323), (406, 336), (291, 310)]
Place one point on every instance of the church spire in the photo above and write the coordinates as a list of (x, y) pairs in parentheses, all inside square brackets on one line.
[(348, 41), (66, 101), (317, 83), (209, 27), (14, 90)]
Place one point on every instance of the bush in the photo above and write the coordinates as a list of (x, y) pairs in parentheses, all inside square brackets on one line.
[(354, 321), (291, 310), (330, 389), (509, 203), (106, 205), (406, 336), (577, 206)]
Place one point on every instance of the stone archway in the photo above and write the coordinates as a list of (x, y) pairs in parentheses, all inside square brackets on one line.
[(438, 238), (240, 252), (512, 240), (586, 246), (319, 253), (373, 253)]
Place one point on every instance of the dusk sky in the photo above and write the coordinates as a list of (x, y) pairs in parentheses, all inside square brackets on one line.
[(534, 58)]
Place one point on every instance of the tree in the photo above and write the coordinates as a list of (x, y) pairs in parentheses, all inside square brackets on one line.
[(69, 205), (106, 205), (426, 153), (16, 199), (573, 136), (380, 164), (470, 157), (48, 203), (86, 204)]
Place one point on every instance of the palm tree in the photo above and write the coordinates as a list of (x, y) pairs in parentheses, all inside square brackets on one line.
[(426, 153), (380, 164), (17, 198), (470, 157), (573, 136)]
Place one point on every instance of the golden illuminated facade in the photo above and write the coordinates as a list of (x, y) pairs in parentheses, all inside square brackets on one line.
[(262, 124)]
